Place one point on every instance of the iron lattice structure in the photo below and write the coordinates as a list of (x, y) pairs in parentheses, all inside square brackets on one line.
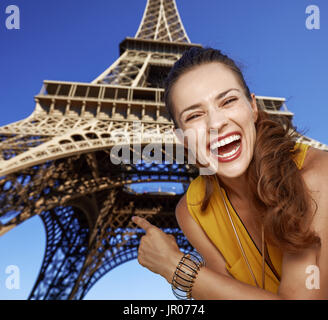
[(58, 163)]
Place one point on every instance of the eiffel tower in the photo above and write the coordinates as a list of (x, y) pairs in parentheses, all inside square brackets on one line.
[(59, 162)]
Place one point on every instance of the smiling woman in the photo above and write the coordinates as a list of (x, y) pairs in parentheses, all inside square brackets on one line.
[(260, 218)]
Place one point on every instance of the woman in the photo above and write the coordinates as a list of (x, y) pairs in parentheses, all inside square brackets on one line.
[(260, 222)]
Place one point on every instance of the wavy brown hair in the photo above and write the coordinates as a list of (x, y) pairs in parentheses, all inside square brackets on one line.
[(277, 186)]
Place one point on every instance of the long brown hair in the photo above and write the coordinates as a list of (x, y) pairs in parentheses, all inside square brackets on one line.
[(276, 183)]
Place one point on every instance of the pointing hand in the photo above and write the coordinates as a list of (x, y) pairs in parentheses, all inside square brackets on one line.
[(157, 251)]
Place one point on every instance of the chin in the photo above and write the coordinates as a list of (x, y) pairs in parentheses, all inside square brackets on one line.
[(232, 170), (231, 174)]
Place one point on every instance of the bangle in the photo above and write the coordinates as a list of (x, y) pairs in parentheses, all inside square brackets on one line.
[(185, 275)]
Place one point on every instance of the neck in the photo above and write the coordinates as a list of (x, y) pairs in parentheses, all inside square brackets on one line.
[(237, 188), (240, 194)]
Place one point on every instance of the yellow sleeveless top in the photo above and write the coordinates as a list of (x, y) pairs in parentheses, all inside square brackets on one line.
[(216, 224)]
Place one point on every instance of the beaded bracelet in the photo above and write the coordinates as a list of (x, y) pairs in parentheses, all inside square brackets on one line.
[(186, 272)]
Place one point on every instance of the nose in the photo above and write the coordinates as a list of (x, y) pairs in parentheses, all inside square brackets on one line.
[(216, 120)]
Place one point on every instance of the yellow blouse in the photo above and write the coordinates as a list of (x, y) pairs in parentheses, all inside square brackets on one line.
[(216, 224)]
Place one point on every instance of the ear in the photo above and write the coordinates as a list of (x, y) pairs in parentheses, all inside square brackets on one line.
[(254, 107)]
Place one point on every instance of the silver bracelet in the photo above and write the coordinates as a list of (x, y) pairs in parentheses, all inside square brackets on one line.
[(185, 275)]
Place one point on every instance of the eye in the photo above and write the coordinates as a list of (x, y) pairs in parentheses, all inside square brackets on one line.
[(193, 116), (230, 100)]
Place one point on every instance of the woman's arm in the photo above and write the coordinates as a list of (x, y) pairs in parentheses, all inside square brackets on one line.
[(305, 275), (199, 240), (159, 253), (155, 254), (295, 279), (213, 281)]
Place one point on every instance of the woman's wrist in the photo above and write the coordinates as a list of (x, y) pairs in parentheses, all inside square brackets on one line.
[(185, 274), (172, 265)]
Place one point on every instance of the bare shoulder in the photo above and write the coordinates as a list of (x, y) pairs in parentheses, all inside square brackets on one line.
[(315, 168), (315, 175), (294, 274), (315, 155), (182, 204), (183, 215), (181, 210)]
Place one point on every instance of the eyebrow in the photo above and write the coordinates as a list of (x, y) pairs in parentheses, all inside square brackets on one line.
[(197, 105)]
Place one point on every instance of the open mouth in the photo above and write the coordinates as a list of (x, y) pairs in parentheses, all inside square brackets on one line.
[(228, 148)]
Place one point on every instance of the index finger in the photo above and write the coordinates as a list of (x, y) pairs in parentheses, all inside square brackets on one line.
[(142, 223)]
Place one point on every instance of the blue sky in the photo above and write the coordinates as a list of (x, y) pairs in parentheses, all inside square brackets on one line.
[(77, 40)]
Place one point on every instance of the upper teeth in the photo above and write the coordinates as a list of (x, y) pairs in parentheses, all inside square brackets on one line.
[(225, 141)]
